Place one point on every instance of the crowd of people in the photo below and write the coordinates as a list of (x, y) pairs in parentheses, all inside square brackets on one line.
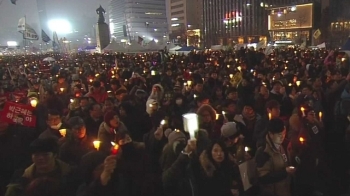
[(112, 124)]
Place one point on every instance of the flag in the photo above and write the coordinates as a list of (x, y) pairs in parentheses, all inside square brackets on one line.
[(55, 42), (27, 31), (317, 34), (44, 36), (13, 2), (30, 33), (140, 40), (323, 45), (21, 24)]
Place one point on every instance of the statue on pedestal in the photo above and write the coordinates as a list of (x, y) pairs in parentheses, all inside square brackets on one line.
[(101, 18)]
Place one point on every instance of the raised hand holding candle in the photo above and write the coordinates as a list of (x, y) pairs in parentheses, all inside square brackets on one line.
[(97, 144), (115, 148), (191, 124)]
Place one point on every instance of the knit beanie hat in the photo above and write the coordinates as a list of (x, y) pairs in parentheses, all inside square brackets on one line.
[(44, 145), (174, 136), (229, 129), (109, 116), (76, 122)]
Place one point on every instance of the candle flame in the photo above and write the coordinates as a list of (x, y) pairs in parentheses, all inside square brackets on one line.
[(301, 139), (162, 122), (97, 144)]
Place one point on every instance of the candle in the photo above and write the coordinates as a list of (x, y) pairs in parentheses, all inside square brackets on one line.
[(194, 96), (71, 100), (96, 75), (97, 144), (61, 89), (189, 83), (302, 140), (298, 83), (291, 167), (231, 76), (223, 114), (90, 80), (63, 132), (33, 103), (228, 66), (191, 124), (320, 115), (153, 73), (162, 122), (303, 111), (246, 149), (239, 68), (115, 148), (150, 105), (270, 116), (217, 116)]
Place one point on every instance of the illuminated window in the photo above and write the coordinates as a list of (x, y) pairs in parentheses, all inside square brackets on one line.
[(153, 13)]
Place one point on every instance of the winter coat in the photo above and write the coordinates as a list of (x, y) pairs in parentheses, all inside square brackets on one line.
[(22, 178), (100, 97), (215, 180), (107, 134), (178, 177), (131, 177), (72, 150), (271, 166)]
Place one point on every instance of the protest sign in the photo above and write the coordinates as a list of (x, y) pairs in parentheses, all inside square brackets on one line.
[(14, 113)]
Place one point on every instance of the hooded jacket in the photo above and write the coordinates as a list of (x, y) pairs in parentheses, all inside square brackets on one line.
[(106, 134), (157, 96)]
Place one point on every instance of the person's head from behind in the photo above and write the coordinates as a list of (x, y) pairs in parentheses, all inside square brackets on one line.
[(276, 131), (78, 127), (44, 152), (230, 133), (96, 86), (273, 108), (54, 119), (202, 100)]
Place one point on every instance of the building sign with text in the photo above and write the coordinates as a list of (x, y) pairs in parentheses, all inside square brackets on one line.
[(292, 17)]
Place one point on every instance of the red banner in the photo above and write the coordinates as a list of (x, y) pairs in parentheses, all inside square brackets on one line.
[(14, 113)]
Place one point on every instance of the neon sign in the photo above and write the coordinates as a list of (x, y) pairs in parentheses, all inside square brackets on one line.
[(233, 17)]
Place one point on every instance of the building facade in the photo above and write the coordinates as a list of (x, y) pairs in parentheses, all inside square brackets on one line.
[(185, 21), (339, 27), (227, 22), (131, 19), (295, 24)]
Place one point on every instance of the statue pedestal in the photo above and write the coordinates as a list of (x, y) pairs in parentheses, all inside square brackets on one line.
[(102, 36)]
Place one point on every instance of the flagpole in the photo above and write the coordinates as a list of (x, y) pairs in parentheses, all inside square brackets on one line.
[(24, 39)]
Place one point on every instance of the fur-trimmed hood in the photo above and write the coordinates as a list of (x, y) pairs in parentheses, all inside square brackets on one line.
[(207, 165), (157, 96), (206, 107)]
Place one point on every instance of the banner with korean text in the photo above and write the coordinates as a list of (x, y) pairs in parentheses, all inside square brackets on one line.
[(14, 113)]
